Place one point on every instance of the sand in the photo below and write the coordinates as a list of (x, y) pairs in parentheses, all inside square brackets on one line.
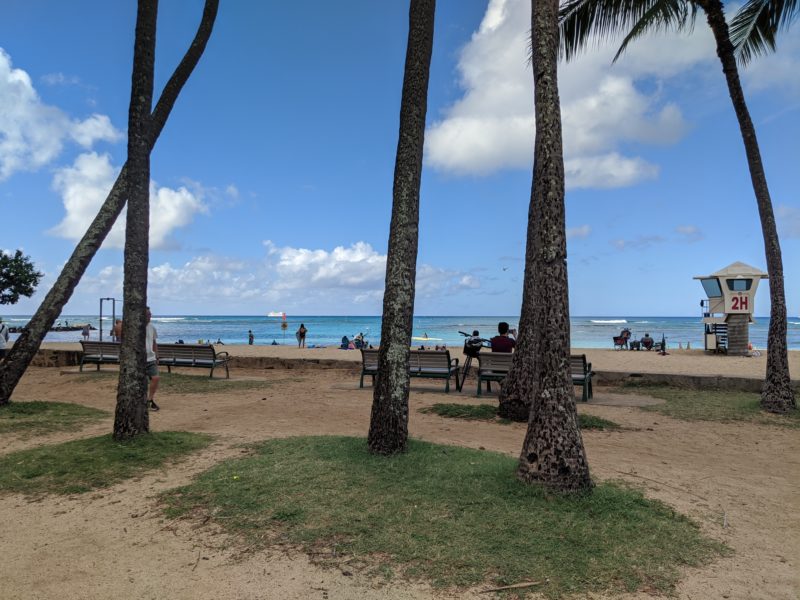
[(740, 482)]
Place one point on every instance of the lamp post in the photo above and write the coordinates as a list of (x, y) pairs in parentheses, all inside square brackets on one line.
[(113, 313)]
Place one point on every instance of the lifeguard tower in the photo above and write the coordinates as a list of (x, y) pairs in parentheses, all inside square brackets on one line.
[(728, 311)]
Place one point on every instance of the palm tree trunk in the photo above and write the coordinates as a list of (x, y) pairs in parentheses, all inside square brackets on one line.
[(28, 343), (131, 416), (516, 393), (388, 428), (777, 395), (552, 453)]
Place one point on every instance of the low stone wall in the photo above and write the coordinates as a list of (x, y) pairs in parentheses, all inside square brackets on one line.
[(69, 358), (56, 358)]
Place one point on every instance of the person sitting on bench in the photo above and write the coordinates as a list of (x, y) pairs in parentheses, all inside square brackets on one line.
[(503, 342), (647, 342)]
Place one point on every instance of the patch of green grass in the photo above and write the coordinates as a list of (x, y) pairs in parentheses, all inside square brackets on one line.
[(180, 383), (36, 418), (83, 465), (488, 412), (452, 516), (711, 405)]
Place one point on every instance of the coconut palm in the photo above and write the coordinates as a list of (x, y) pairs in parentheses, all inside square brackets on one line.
[(131, 416), (756, 27), (388, 428), (28, 343), (552, 453)]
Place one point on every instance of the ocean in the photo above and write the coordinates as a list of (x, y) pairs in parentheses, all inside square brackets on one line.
[(586, 332)]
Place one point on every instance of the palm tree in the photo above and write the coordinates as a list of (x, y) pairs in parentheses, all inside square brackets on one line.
[(552, 454), (28, 343), (757, 24), (131, 416), (388, 428), (754, 27)]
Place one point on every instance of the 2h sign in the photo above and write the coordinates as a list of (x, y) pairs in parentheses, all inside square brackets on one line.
[(740, 303)]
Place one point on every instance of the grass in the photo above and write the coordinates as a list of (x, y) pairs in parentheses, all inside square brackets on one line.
[(83, 465), (488, 412), (453, 516), (36, 418), (179, 383), (711, 405)]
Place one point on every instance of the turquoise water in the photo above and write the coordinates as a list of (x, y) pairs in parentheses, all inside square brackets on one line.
[(586, 332)]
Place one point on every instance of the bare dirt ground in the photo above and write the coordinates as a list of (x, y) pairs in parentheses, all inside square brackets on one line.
[(741, 482)]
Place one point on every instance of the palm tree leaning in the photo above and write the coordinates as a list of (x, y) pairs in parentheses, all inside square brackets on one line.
[(28, 343), (552, 453), (757, 25), (388, 427)]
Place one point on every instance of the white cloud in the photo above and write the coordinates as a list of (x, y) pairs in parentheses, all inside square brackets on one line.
[(491, 126), (691, 233), (32, 133), (789, 220), (60, 79), (232, 192), (640, 243), (342, 280), (578, 232), (85, 185)]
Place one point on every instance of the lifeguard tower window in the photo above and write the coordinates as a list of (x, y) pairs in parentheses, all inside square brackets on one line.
[(711, 286), (739, 285)]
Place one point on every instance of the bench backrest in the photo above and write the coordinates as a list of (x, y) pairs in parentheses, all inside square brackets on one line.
[(369, 358), (101, 348), (495, 361), (577, 365), (186, 352), (421, 360)]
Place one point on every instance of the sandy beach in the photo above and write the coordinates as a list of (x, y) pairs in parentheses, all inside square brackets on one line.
[(739, 481)]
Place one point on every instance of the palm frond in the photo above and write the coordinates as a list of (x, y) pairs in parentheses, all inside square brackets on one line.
[(581, 20), (754, 28)]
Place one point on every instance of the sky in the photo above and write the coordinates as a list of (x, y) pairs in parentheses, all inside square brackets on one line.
[(272, 181)]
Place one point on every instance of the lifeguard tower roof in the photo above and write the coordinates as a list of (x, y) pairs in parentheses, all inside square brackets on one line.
[(737, 269)]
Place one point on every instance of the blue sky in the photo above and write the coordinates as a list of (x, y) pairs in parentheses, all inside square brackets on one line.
[(272, 181)]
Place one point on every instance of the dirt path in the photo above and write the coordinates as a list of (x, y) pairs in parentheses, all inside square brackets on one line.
[(740, 482)]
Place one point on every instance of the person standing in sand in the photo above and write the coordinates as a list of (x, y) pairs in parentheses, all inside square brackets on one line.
[(250, 337), (85, 332), (152, 361), (117, 331), (301, 336)]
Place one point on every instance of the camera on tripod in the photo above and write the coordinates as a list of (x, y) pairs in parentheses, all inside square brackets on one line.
[(473, 344)]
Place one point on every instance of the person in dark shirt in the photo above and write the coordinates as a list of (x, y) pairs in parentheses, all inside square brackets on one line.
[(503, 342)]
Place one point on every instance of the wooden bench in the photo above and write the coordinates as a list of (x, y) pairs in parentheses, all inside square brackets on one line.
[(494, 366), (192, 355), (435, 364), (99, 353), (582, 374)]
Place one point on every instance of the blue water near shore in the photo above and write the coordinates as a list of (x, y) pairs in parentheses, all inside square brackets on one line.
[(586, 332)]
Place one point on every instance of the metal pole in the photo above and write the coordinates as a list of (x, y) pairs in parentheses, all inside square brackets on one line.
[(101, 319)]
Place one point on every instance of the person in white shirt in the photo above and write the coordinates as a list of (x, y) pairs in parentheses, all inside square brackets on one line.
[(3, 339), (152, 361)]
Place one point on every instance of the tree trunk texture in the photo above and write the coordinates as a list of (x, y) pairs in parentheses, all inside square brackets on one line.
[(131, 417), (388, 429), (777, 395), (552, 453), (29, 341)]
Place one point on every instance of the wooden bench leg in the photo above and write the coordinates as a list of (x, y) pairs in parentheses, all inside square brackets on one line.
[(227, 372)]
